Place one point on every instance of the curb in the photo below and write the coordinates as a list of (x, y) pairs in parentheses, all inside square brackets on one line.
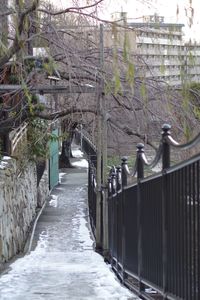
[(28, 246)]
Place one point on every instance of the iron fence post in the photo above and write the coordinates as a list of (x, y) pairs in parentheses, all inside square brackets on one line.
[(121, 199), (89, 184), (166, 147), (140, 175), (119, 218), (164, 232), (109, 187), (124, 174), (113, 181), (124, 183), (110, 220), (113, 187), (81, 137), (119, 179), (165, 164), (140, 163), (91, 197)]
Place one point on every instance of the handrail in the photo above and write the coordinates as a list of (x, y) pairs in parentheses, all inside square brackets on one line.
[(163, 152), (87, 137), (140, 161), (156, 159), (168, 138), (119, 180)]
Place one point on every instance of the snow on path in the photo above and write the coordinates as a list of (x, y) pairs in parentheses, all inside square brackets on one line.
[(64, 265)]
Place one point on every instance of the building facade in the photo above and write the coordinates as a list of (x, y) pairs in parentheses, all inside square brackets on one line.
[(160, 50)]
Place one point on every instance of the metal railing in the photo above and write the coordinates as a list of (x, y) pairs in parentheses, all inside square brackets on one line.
[(92, 197), (88, 147), (154, 224), (17, 141)]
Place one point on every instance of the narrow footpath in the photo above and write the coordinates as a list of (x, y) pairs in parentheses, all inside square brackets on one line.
[(62, 263)]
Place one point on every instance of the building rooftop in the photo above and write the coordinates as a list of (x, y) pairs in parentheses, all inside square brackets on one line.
[(155, 25)]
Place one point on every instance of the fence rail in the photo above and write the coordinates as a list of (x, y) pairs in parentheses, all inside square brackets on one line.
[(87, 146), (17, 136), (17, 142), (154, 225)]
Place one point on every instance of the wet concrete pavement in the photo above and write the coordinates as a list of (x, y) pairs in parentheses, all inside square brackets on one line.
[(62, 263)]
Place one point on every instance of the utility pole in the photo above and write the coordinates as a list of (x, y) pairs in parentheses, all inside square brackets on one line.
[(99, 163), (104, 147), (101, 206)]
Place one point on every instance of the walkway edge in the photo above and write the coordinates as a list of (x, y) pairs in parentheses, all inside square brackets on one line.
[(29, 246)]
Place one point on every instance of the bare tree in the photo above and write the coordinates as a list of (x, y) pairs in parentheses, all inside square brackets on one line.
[(136, 107)]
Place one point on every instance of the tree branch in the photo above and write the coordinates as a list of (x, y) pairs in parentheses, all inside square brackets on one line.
[(70, 9), (127, 130), (17, 44), (64, 113)]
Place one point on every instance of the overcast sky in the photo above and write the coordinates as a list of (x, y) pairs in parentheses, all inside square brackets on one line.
[(138, 8)]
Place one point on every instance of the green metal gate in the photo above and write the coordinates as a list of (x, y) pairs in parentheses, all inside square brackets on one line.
[(54, 161)]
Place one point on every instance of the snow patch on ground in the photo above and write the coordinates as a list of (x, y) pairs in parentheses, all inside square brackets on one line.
[(61, 175), (64, 265), (106, 284), (54, 201), (83, 235), (77, 153), (6, 158), (80, 164), (3, 162), (3, 165)]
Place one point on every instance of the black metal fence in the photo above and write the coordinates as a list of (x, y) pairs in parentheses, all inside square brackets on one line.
[(92, 196), (89, 148), (154, 224)]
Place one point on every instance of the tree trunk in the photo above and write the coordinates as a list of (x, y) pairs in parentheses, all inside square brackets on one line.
[(66, 153), (64, 160)]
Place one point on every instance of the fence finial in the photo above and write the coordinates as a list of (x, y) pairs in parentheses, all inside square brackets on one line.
[(166, 147), (109, 186), (166, 129), (113, 181), (119, 178), (140, 162), (124, 173)]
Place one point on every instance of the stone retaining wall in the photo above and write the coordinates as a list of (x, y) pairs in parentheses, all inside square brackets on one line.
[(19, 197)]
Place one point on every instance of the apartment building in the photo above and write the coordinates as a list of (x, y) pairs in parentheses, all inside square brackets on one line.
[(160, 49), (192, 58)]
